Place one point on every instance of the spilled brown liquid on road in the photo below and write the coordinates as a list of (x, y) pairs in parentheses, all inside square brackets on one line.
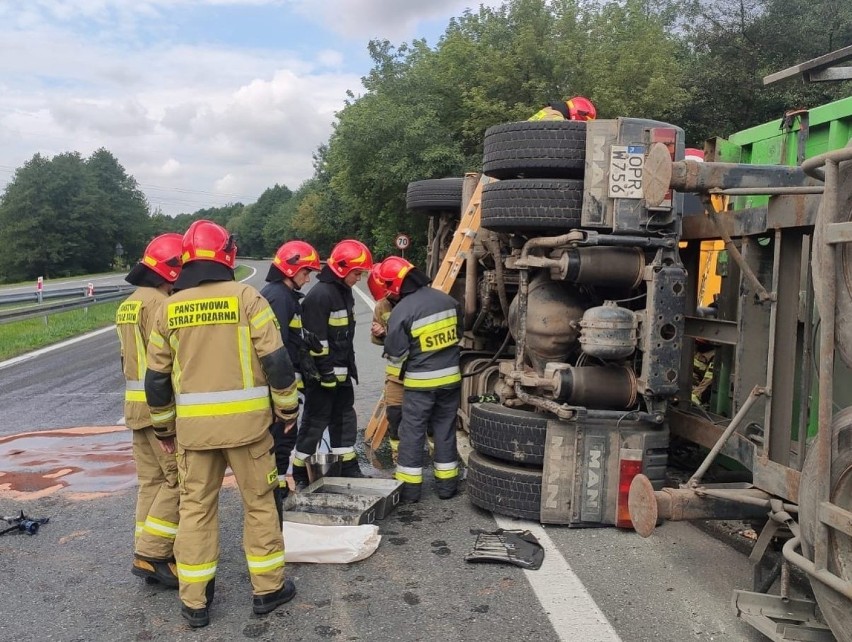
[(87, 461)]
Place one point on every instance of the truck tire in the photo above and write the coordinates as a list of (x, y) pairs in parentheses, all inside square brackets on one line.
[(537, 149), (836, 609), (434, 195), (540, 205), (508, 434), (504, 489)]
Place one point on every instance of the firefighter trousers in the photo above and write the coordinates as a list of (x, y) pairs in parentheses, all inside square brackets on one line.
[(197, 544), (285, 442), (422, 410), (157, 499), (332, 408)]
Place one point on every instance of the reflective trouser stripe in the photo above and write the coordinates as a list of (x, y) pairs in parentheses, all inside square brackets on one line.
[(160, 528), (265, 563), (228, 402), (193, 573), (300, 382), (347, 453), (409, 475), (432, 378), (446, 471)]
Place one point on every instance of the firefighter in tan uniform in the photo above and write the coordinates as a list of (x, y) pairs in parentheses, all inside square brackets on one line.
[(217, 370), (378, 330), (156, 470), (576, 108)]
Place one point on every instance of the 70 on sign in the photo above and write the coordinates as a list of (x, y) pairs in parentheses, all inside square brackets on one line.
[(402, 242)]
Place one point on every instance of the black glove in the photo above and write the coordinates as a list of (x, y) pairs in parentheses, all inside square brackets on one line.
[(307, 366), (312, 341)]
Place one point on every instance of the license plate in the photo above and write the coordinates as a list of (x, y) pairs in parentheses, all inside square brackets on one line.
[(626, 163)]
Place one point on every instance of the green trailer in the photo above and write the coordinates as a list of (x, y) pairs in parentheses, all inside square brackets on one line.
[(780, 196)]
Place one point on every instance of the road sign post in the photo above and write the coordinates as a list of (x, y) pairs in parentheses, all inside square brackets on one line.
[(402, 242), (39, 288)]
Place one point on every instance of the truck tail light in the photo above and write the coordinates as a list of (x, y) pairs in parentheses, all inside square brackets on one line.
[(630, 465)]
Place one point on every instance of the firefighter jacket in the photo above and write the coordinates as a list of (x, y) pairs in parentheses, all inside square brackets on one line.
[(393, 384), (287, 306), (134, 321), (547, 113), (424, 331), (217, 367), (328, 312)]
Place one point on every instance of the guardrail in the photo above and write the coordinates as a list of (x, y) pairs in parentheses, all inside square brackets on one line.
[(33, 312), (63, 293)]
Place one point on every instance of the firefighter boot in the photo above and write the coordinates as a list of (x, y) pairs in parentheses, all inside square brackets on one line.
[(446, 488), (155, 571), (267, 603), (200, 617), (410, 493)]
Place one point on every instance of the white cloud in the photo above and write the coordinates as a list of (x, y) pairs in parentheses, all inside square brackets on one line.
[(198, 122)]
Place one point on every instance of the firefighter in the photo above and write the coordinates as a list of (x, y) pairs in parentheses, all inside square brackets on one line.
[(290, 270), (156, 470), (328, 313), (385, 302), (424, 330), (576, 108), (217, 370)]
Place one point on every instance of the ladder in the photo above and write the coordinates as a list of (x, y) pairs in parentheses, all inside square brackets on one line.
[(460, 250)]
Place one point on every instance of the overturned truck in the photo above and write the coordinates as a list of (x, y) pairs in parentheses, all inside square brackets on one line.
[(582, 318)]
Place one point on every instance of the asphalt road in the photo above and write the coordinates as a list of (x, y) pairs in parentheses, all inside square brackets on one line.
[(71, 581)]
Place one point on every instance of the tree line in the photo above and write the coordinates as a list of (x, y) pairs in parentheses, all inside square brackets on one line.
[(424, 110)]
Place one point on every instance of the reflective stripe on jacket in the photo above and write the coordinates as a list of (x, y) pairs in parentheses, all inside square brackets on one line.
[(210, 339), (134, 321), (424, 331), (328, 312)]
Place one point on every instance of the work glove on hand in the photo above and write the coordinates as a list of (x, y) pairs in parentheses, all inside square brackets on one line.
[(328, 380), (307, 366), (312, 341)]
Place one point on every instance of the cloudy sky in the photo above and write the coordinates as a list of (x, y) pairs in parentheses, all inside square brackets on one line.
[(204, 102)]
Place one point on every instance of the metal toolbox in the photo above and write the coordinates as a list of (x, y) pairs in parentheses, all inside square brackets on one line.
[(387, 490), (329, 509)]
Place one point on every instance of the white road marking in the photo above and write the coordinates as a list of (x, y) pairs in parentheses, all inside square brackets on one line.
[(56, 346), (367, 298), (571, 610)]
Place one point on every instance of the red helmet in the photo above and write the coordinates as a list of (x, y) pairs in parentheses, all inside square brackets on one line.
[(208, 241), (580, 108), (377, 287), (350, 255), (295, 255), (392, 273), (163, 256)]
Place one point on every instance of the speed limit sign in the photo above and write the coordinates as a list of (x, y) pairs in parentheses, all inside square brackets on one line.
[(402, 242)]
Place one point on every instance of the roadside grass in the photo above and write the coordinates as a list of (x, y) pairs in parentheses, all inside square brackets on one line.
[(21, 337)]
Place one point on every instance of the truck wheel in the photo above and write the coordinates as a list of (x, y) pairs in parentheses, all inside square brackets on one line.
[(508, 434), (434, 195), (537, 149), (519, 205), (504, 489), (835, 608)]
